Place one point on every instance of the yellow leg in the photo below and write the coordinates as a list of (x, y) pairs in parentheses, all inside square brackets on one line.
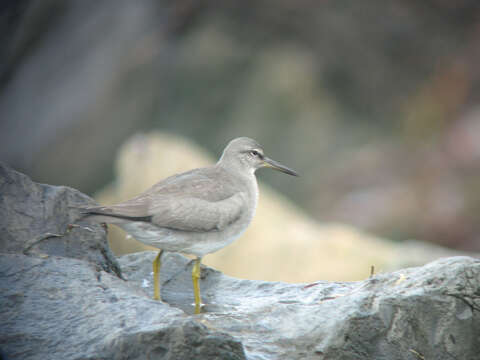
[(157, 263), (196, 285)]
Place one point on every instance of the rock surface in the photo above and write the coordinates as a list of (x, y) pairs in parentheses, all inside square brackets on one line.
[(55, 304), (430, 312), (61, 308), (35, 219)]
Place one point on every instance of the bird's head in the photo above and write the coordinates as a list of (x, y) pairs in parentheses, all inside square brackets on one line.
[(247, 154)]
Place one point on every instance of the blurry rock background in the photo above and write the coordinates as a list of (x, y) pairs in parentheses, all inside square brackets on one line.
[(376, 105)]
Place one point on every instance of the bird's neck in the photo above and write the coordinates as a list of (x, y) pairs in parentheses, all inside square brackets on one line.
[(240, 175), (236, 168)]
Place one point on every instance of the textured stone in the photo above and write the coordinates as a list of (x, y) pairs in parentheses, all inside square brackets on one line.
[(62, 308), (429, 312), (59, 300), (35, 219)]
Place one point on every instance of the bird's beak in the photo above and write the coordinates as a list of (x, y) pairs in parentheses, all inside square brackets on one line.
[(277, 166)]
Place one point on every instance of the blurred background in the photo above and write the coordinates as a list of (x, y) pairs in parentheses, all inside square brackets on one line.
[(376, 104)]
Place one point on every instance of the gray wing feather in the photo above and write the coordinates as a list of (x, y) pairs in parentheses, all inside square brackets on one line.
[(192, 214), (191, 201)]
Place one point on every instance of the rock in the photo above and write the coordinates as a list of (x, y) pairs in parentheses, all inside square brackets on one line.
[(35, 219), (429, 312), (60, 308), (63, 308), (68, 307)]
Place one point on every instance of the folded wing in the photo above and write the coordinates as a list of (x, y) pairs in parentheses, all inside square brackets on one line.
[(185, 214)]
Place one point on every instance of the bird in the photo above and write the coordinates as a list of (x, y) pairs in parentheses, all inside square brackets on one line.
[(196, 212)]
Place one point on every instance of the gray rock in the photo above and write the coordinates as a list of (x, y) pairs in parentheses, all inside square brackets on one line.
[(62, 308), (62, 300), (429, 312), (35, 219)]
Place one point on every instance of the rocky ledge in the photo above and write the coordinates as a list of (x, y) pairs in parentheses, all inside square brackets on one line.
[(63, 296)]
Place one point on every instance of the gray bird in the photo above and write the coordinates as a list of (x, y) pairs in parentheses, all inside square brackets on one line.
[(197, 212)]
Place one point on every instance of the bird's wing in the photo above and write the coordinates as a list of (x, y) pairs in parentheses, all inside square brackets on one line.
[(193, 214), (186, 214), (191, 201)]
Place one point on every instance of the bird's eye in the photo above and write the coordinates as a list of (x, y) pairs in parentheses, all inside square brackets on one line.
[(256, 154)]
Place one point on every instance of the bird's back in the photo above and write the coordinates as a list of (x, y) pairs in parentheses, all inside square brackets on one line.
[(210, 183)]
